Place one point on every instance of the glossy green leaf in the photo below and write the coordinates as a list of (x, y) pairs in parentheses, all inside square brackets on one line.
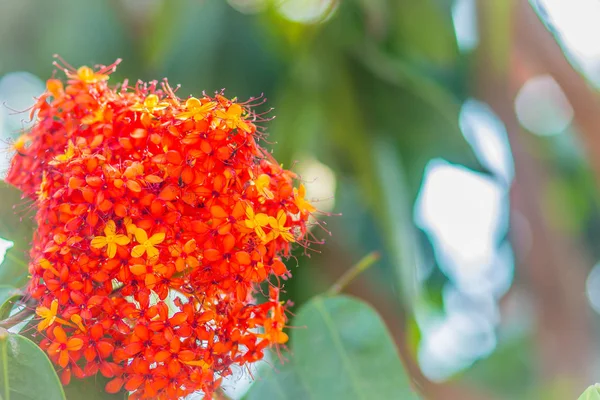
[(346, 352), (591, 393), (342, 350), (25, 371), (8, 297), (91, 389)]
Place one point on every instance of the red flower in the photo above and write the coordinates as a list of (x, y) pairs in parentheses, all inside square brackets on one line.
[(158, 220)]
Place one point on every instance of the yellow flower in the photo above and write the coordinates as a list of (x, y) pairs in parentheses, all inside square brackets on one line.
[(198, 363), (195, 109), (233, 118), (42, 192), (96, 116), (111, 240), (256, 222), (262, 186), (279, 228), (21, 142), (146, 245), (151, 104), (301, 203), (48, 315), (67, 156), (129, 226), (78, 321), (87, 75), (45, 264)]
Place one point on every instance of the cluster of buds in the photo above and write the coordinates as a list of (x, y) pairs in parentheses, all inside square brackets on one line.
[(159, 220)]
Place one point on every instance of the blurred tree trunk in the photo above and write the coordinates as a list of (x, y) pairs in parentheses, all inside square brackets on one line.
[(555, 265)]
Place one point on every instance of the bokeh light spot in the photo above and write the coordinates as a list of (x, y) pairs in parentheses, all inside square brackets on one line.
[(486, 134), (307, 11), (577, 28), (4, 246), (542, 107), (248, 6), (465, 214), (319, 180), (464, 18), (592, 287)]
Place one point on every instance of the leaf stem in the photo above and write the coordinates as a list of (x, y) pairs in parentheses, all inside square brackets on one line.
[(19, 316), (361, 266), (4, 359), (16, 259)]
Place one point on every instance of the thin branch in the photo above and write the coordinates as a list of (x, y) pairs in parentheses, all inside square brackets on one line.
[(16, 319), (353, 272)]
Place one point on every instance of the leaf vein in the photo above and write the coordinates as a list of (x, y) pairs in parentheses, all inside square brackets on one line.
[(340, 347)]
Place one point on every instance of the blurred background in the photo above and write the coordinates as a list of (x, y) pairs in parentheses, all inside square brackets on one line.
[(459, 138)]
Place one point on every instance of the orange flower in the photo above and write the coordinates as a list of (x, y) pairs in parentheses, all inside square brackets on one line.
[(184, 259), (233, 118), (96, 116), (301, 203), (61, 346)]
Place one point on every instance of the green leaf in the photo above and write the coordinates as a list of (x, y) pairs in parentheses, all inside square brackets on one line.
[(25, 371), (91, 389), (343, 350), (16, 225), (591, 393), (279, 383), (8, 297)]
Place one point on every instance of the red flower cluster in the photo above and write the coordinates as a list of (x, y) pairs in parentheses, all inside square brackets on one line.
[(158, 219)]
